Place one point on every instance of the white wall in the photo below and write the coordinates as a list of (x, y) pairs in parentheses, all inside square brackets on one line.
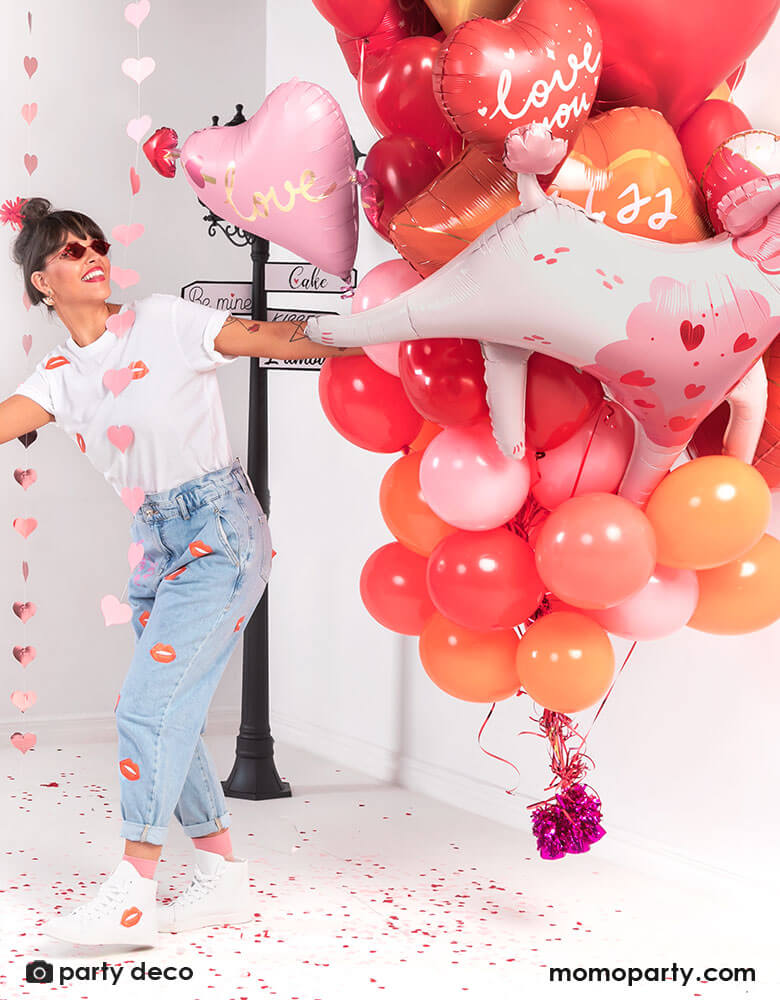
[(682, 749)]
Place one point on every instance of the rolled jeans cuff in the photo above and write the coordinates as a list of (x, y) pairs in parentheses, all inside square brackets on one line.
[(210, 826)]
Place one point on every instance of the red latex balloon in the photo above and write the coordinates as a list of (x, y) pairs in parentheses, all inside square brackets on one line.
[(393, 589), (709, 126), (402, 19), (559, 400), (398, 167), (484, 580), (356, 19), (397, 93), (444, 379), (367, 405), (596, 551)]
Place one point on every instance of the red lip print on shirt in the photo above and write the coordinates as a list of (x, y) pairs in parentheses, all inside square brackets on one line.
[(129, 769), (130, 917), (162, 653), (80, 442), (144, 618), (199, 548), (139, 369), (176, 572), (56, 362)]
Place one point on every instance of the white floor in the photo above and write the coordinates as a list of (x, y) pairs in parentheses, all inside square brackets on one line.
[(367, 890)]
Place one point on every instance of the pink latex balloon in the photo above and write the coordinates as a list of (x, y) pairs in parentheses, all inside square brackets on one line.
[(379, 285), (466, 480), (671, 330), (661, 607), (594, 458), (287, 174)]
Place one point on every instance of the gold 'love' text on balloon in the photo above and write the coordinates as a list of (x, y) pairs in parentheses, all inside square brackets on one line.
[(262, 202), (540, 93)]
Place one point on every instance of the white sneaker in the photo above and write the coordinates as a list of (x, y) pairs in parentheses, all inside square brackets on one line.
[(124, 912), (218, 894)]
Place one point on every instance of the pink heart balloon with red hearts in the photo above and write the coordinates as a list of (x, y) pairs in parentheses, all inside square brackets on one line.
[(287, 174)]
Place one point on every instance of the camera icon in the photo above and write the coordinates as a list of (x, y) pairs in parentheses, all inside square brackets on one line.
[(40, 972)]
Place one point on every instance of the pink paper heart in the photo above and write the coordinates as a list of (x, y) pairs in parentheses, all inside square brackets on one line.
[(24, 610), (135, 181), (29, 20), (25, 570), (120, 323), (30, 65), (23, 741), (121, 437), (116, 380), (27, 341), (285, 174), (136, 13), (114, 612), (23, 699), (138, 69), (135, 554), (132, 498), (126, 234), (24, 654), (30, 163), (25, 477), (124, 277), (25, 525), (138, 127), (26, 301), (29, 111)]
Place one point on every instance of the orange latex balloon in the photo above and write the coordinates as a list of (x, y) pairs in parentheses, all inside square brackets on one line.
[(629, 165), (565, 662), (743, 595), (709, 511), (626, 163), (426, 435), (451, 13), (406, 513), (473, 666)]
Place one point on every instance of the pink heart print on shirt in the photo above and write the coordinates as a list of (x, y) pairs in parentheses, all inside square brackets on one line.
[(116, 380), (121, 437), (25, 525), (24, 654), (23, 741)]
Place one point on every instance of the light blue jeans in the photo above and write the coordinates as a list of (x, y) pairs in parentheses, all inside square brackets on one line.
[(206, 563)]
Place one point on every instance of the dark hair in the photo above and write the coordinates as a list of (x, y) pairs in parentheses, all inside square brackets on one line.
[(42, 233)]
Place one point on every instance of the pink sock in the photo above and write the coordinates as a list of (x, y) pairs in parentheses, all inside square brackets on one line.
[(144, 866), (219, 843)]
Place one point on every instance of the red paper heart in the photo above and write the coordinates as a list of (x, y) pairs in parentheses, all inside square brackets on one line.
[(135, 181), (541, 63), (670, 54)]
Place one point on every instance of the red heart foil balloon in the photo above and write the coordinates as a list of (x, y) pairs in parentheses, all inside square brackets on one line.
[(541, 63), (670, 54), (402, 19), (397, 168), (357, 19), (158, 148)]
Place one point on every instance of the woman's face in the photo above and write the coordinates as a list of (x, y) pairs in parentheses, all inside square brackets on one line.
[(66, 277)]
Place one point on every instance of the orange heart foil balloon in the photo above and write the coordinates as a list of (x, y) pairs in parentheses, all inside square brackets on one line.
[(628, 167), (451, 13), (627, 164)]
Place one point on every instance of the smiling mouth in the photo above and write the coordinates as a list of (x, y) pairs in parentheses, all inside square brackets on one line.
[(94, 276)]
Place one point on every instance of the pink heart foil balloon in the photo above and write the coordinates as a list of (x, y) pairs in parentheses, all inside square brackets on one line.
[(287, 174), (23, 741), (24, 654)]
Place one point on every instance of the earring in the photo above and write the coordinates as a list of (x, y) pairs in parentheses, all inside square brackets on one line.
[(48, 300)]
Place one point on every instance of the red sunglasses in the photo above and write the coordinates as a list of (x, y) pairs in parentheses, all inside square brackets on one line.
[(75, 251)]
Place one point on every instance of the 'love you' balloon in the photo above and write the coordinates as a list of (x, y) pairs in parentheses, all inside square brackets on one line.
[(540, 64), (287, 174)]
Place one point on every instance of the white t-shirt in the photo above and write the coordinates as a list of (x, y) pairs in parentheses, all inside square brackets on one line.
[(144, 407)]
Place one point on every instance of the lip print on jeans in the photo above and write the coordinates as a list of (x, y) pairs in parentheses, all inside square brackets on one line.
[(129, 769), (162, 653)]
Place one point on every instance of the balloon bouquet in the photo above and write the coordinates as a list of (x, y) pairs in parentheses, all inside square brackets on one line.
[(588, 284)]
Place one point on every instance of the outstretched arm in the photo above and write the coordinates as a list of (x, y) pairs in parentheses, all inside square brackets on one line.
[(285, 341), (19, 415)]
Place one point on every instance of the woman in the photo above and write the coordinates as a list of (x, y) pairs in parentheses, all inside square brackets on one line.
[(135, 386)]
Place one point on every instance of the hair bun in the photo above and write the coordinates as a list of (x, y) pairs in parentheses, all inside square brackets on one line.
[(35, 209)]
